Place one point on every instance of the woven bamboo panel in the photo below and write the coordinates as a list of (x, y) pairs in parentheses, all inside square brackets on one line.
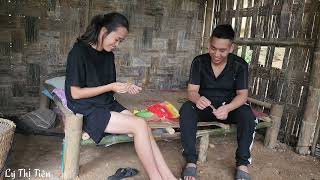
[(36, 36), (278, 39)]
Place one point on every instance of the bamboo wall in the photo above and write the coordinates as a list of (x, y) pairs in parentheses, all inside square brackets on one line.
[(36, 36), (278, 38)]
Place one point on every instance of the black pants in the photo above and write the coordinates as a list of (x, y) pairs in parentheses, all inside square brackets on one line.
[(190, 115)]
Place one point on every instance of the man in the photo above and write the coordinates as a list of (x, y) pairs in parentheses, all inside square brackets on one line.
[(218, 90)]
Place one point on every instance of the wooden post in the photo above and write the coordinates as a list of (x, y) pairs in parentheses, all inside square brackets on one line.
[(71, 150), (312, 108), (276, 112), (309, 122), (204, 144), (44, 102), (315, 139)]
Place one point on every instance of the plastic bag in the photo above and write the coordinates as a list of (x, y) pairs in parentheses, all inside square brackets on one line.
[(164, 110)]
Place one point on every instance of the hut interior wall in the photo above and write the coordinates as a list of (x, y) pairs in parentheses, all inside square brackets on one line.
[(277, 38), (36, 36)]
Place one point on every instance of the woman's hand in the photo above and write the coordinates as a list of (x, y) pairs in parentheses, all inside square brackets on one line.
[(119, 87), (134, 89)]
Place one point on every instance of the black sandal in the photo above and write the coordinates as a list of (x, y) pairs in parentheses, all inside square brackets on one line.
[(189, 171), (123, 173), (242, 175)]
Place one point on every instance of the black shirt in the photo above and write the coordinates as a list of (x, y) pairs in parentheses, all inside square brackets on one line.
[(222, 88), (87, 67)]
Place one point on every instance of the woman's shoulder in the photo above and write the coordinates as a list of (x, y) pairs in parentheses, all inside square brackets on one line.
[(80, 47), (79, 50), (78, 53)]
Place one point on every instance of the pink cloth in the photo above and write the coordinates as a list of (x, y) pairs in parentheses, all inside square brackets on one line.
[(62, 96)]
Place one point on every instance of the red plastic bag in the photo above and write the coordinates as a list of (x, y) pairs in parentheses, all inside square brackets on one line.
[(164, 110)]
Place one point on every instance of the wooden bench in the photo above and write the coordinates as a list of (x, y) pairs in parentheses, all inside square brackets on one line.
[(73, 133)]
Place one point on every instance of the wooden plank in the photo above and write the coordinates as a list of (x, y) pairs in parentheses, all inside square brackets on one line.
[(156, 125), (238, 22), (266, 19), (276, 42), (270, 56), (255, 19), (222, 10), (112, 139), (284, 19)]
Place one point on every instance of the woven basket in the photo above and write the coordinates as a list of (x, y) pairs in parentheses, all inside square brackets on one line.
[(7, 129)]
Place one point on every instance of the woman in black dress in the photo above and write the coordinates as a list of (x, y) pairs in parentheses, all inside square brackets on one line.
[(91, 83)]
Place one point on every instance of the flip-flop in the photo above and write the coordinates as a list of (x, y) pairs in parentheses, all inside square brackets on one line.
[(189, 171), (242, 175), (123, 173)]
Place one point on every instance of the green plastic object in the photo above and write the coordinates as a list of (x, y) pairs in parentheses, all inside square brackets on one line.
[(144, 114)]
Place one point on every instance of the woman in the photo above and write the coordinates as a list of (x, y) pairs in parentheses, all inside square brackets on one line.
[(91, 83)]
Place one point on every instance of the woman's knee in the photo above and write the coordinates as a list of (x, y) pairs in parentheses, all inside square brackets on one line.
[(140, 125)]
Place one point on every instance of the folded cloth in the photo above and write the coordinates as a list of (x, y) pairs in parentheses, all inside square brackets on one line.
[(47, 93), (62, 96), (57, 82)]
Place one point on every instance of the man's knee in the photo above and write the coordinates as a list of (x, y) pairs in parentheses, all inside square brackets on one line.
[(187, 107), (188, 116), (244, 115)]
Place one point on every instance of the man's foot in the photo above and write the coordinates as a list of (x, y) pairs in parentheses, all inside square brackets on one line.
[(190, 172), (242, 173)]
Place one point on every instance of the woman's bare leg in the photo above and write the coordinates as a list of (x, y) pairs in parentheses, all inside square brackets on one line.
[(122, 124), (162, 165)]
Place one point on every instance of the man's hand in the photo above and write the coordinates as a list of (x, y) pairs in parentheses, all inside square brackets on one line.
[(222, 112), (203, 102)]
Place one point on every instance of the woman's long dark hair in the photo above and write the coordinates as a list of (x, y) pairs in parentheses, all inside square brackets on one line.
[(111, 21)]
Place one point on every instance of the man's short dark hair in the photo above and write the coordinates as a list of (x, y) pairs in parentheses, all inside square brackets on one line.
[(223, 31)]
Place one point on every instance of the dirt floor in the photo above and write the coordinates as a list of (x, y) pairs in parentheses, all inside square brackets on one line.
[(34, 154), (44, 153)]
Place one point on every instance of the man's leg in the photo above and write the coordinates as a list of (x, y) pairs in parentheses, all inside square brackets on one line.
[(189, 117), (188, 128), (245, 121)]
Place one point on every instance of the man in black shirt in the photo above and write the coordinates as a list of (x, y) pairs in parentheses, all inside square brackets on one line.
[(218, 90)]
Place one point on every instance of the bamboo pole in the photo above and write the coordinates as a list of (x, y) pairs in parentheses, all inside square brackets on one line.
[(207, 26), (260, 103), (275, 42), (276, 112), (312, 108), (71, 146)]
